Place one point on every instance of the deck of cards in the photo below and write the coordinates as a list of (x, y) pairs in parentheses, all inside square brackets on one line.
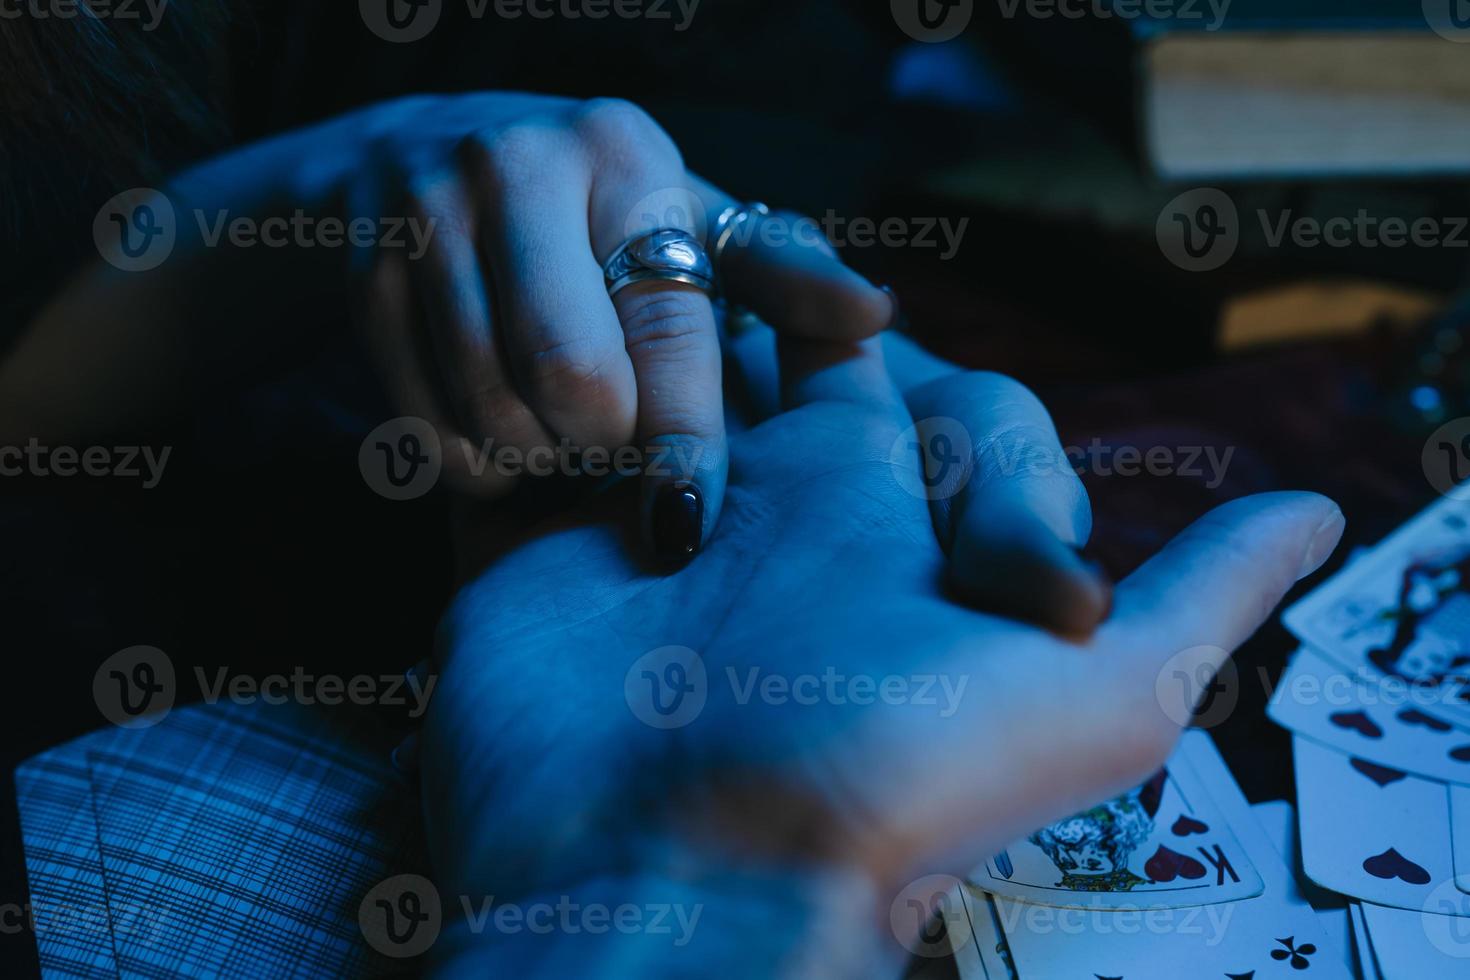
[(1378, 699), (1369, 877)]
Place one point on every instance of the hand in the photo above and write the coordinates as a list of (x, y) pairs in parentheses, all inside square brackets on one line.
[(792, 825), (503, 329), (1013, 515)]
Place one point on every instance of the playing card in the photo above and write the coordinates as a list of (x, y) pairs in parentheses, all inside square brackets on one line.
[(1270, 936), (1163, 845), (1460, 835), (1401, 613), (1419, 945), (1318, 699), (1374, 833), (1363, 944), (1278, 820), (983, 954)]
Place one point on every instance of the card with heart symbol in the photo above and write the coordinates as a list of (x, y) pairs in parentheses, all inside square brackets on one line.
[(1377, 834), (1400, 614), (1273, 935), (1162, 845), (1316, 698)]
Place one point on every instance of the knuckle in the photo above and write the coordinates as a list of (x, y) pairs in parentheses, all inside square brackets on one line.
[(575, 366), (622, 127), (672, 321), (506, 152)]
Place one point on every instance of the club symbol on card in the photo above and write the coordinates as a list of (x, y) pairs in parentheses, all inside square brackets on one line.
[(1166, 865), (1382, 775), (1356, 721), (1391, 864), (1296, 954), (1413, 716), (1185, 826)]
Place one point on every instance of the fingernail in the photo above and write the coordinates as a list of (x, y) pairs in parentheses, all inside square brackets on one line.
[(897, 316), (1324, 543), (678, 522)]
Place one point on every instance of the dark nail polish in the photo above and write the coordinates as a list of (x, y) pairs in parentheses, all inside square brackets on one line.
[(678, 522)]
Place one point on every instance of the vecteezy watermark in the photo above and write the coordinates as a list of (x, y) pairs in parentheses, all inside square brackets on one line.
[(1210, 923), (778, 230), (102, 921), (933, 21), (928, 917), (669, 688), (136, 688), (1450, 19), (1446, 920), (934, 459), (402, 459), (138, 230), (299, 687), (1198, 686), (407, 21), (1346, 690), (1199, 230), (1446, 459), (1210, 14), (149, 12), (403, 916), (143, 463)]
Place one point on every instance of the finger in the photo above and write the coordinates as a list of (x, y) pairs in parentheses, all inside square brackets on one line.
[(1014, 524), (561, 332), (388, 311), (1217, 581), (669, 332), (782, 267), (851, 372), (455, 306)]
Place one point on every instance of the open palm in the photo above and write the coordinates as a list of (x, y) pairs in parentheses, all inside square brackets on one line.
[(828, 723)]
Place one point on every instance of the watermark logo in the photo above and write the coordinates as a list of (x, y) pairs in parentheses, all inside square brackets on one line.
[(928, 917), (401, 459), (134, 688), (1450, 19), (149, 12), (136, 230), (401, 917), (1199, 230), (933, 21), (667, 688), (401, 21), (1446, 459), (671, 207), (1446, 920), (1199, 686), (944, 451)]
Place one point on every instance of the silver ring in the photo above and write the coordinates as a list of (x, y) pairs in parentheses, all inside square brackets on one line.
[(668, 254), (729, 220)]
